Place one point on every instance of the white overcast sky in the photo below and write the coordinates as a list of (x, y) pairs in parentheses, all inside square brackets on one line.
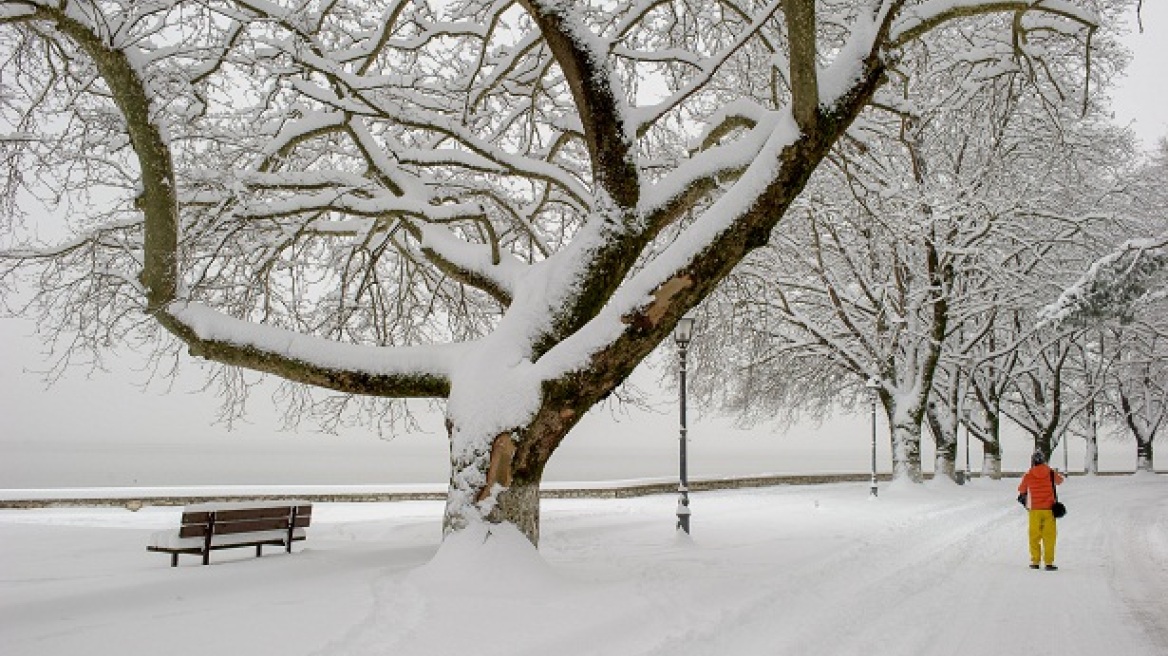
[(1142, 97), (73, 423)]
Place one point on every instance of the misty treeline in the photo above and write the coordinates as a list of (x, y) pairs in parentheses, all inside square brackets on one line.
[(506, 206)]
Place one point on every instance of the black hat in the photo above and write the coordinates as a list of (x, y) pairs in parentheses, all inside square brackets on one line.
[(1037, 459)]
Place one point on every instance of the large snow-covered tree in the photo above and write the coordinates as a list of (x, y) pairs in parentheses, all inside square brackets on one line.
[(506, 205)]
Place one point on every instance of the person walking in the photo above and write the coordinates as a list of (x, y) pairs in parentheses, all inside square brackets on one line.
[(1038, 485)]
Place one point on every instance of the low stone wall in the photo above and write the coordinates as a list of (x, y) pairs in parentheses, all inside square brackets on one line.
[(551, 491)]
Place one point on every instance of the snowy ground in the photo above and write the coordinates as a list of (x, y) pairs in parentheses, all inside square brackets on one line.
[(791, 570)]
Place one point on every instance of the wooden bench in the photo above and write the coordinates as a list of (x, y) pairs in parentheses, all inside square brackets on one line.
[(210, 526)]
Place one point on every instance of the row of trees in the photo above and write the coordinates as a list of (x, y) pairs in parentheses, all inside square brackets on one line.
[(508, 204), (933, 275), (1119, 303)]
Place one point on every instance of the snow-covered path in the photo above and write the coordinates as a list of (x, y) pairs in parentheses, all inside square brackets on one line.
[(935, 569), (953, 580)]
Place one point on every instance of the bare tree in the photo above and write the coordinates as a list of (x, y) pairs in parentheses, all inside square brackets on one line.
[(504, 205), (1143, 397), (1039, 402)]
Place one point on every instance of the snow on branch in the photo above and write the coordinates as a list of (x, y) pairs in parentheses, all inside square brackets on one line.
[(303, 128), (481, 264), (1114, 286), (713, 161), (914, 22), (359, 204), (665, 275), (421, 371), (11, 11), (642, 118), (466, 150)]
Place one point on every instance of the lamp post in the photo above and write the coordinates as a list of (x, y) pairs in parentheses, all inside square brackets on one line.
[(872, 386), (965, 420), (682, 334)]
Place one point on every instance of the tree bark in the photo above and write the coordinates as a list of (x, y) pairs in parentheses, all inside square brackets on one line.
[(1091, 460), (1091, 457), (800, 18), (486, 487), (1143, 438), (991, 462), (944, 463), (906, 451), (1144, 459), (991, 446), (1044, 441), (157, 200)]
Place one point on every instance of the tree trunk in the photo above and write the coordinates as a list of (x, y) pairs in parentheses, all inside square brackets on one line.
[(1143, 440), (945, 439), (944, 465), (490, 487), (991, 446), (991, 462), (1045, 442), (1144, 461), (1091, 462), (496, 480), (906, 452), (484, 488)]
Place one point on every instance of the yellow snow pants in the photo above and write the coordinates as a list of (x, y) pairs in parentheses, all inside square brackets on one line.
[(1043, 533)]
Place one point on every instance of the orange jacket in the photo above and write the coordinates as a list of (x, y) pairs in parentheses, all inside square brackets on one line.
[(1036, 483)]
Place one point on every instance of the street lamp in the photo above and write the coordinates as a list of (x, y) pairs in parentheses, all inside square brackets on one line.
[(682, 334), (872, 386), (965, 420)]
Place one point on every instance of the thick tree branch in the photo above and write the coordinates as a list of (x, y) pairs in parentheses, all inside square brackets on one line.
[(801, 35), (597, 95)]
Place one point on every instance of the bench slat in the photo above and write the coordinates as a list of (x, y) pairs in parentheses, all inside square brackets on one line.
[(248, 526), (275, 541), (201, 517), (227, 528)]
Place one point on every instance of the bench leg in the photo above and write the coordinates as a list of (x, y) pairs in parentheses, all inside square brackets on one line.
[(259, 550), (174, 560), (209, 531)]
